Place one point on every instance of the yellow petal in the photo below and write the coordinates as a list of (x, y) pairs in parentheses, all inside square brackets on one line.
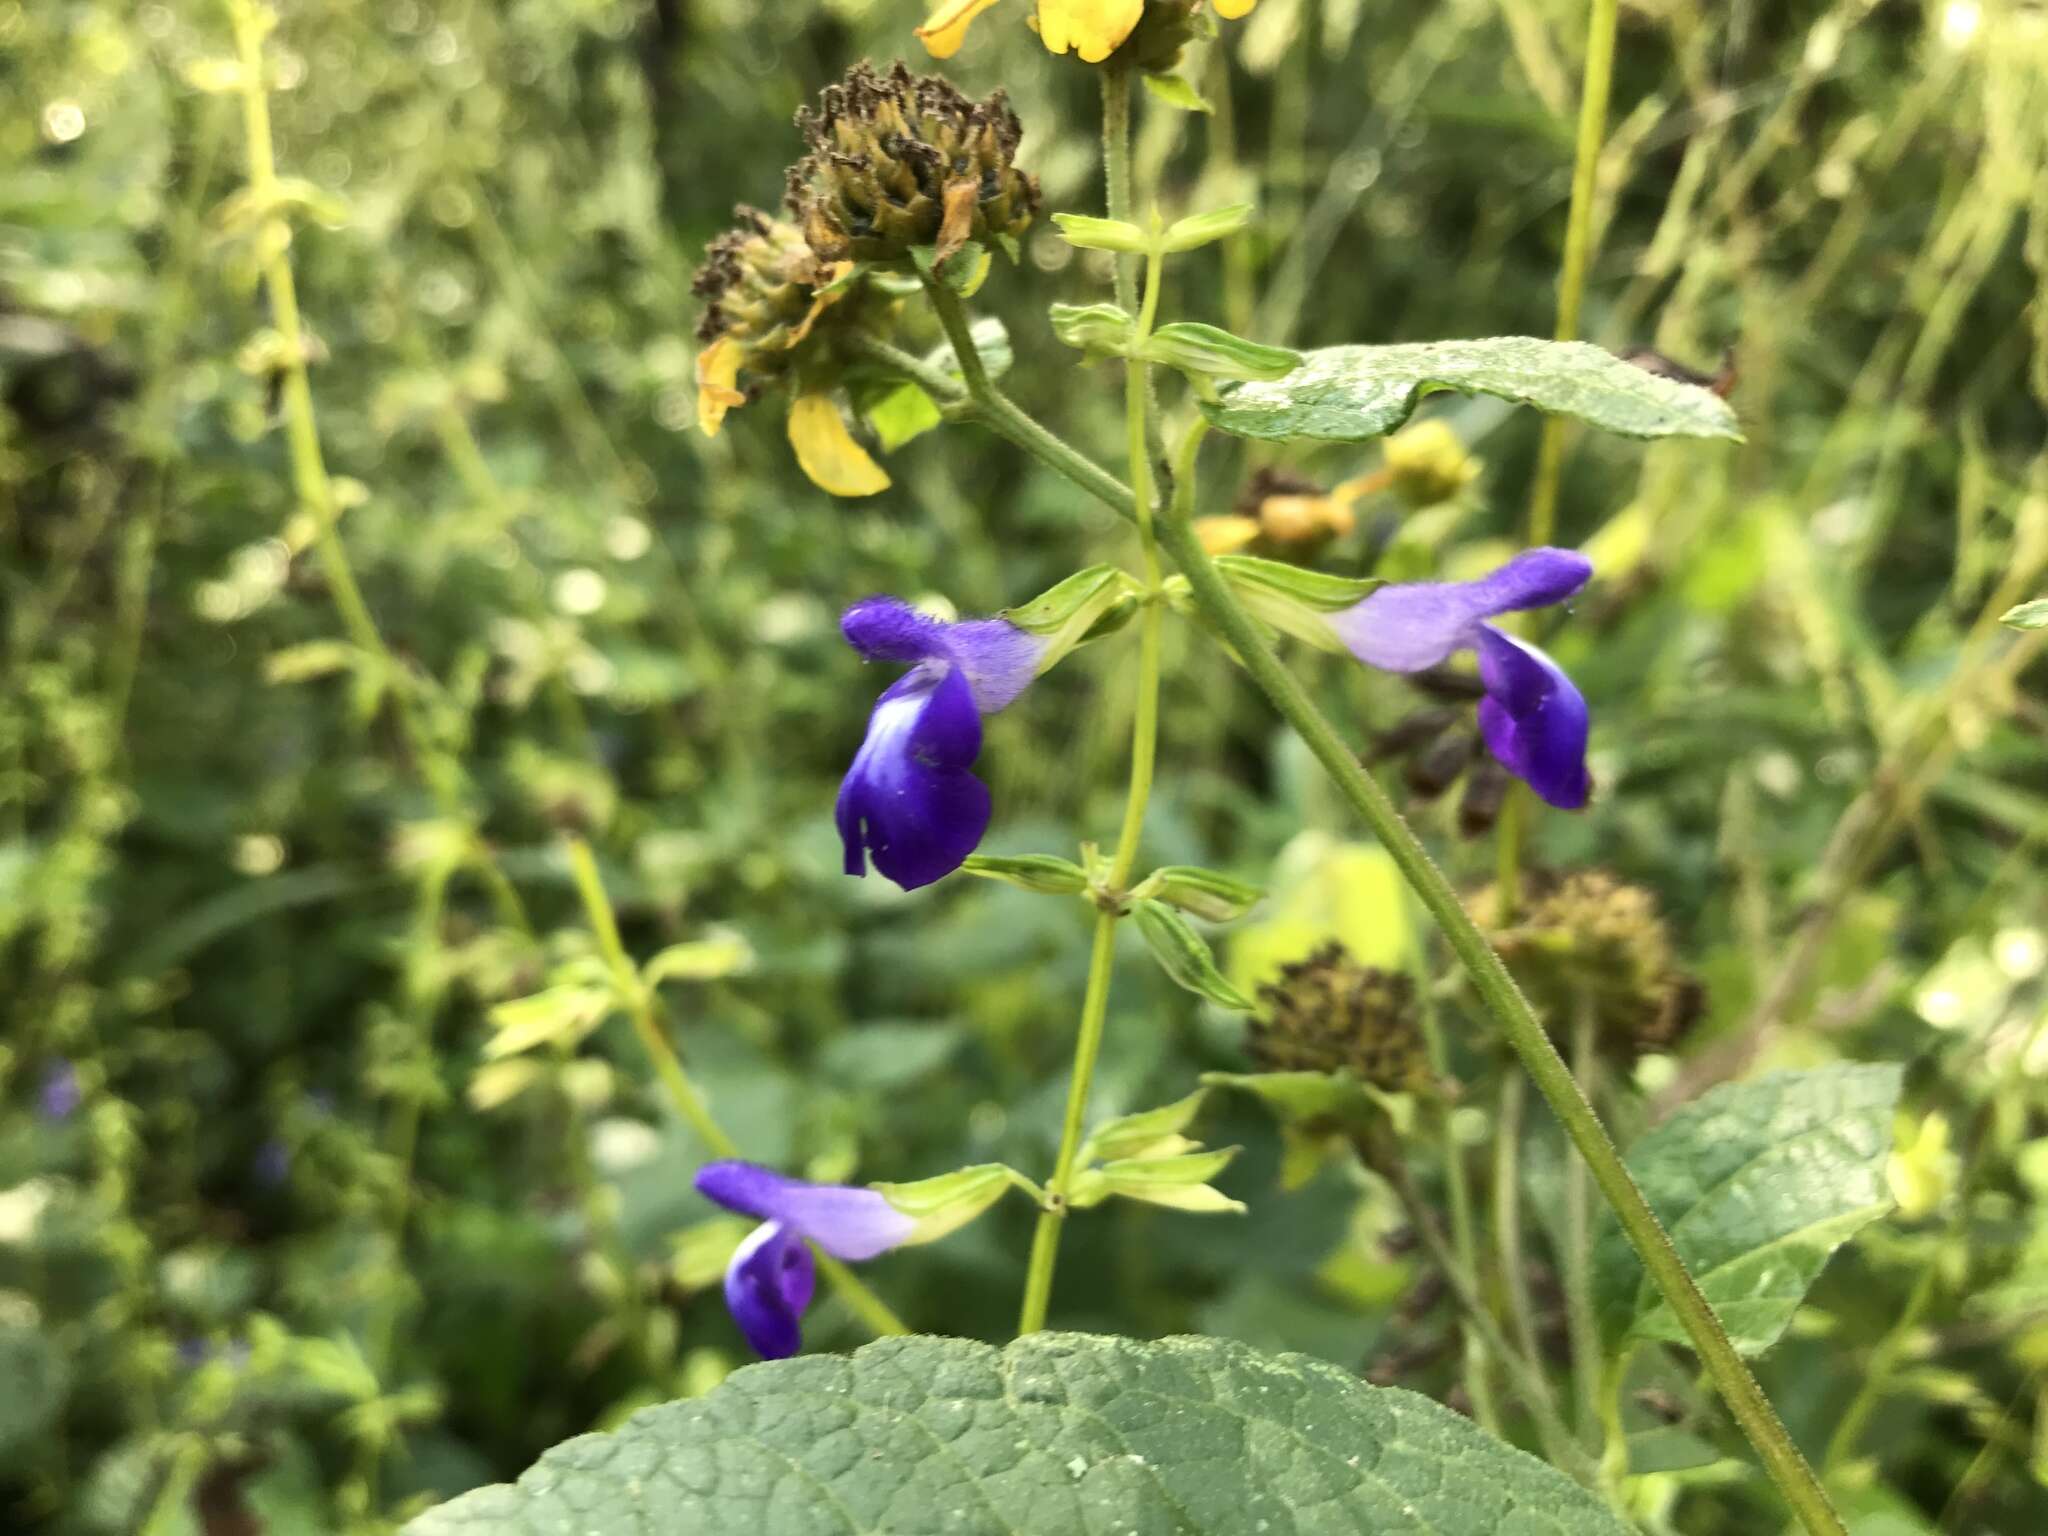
[(947, 27), (827, 451), (1230, 10), (718, 370), (1226, 535), (821, 301), (1092, 28)]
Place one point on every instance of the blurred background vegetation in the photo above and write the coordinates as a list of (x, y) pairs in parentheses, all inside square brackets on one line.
[(278, 1243)]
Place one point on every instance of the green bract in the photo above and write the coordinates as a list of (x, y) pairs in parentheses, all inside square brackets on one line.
[(1203, 349)]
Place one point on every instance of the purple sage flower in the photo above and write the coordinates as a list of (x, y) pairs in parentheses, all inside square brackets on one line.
[(769, 1282), (60, 1094), (1532, 717), (909, 801)]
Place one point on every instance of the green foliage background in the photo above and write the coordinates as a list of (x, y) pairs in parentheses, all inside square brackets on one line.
[(275, 1253)]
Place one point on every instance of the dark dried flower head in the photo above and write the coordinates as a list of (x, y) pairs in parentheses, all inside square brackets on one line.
[(1328, 1013), (1591, 939), (900, 160)]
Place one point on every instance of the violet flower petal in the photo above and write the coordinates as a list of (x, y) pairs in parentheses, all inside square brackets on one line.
[(1533, 718), (847, 1222), (1414, 625), (767, 1286), (998, 658), (909, 800)]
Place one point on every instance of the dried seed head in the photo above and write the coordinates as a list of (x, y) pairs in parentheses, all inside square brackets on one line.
[(1328, 1013), (900, 160), (1590, 939)]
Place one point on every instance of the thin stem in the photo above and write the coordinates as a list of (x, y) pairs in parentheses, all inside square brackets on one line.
[(1501, 998), (1578, 246), (643, 1009), (1522, 1373), (1507, 1213), (1497, 994), (1116, 172), (1045, 1240), (1877, 1376), (1580, 1319)]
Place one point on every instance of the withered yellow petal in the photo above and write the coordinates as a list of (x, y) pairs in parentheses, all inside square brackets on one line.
[(1230, 10), (823, 300), (827, 451), (1092, 28), (718, 371), (946, 28)]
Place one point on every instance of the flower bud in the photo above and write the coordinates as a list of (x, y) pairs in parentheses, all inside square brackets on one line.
[(1427, 464), (1328, 1013), (1592, 940), (763, 290), (900, 160)]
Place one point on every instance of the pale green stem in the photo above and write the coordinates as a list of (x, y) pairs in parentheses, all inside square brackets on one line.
[(1594, 89), (1877, 1375), (643, 1009), (1507, 1214), (1581, 1321), (1523, 1374), (1045, 1240)]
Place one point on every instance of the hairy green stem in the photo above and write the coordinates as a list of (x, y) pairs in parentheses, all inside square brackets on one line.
[(643, 1010), (1045, 1240), (1507, 1214), (1511, 1012)]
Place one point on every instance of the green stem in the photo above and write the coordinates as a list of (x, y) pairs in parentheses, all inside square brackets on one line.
[(1581, 1321), (1507, 1213), (1116, 172), (643, 1010), (1045, 1240), (1510, 1011), (1578, 246), (1877, 1376), (1527, 1380)]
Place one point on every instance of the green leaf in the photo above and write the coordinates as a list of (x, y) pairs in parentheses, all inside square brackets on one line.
[(1054, 1435), (946, 1203), (900, 413), (1176, 92), (1134, 1135), (1093, 234), (1199, 229), (1102, 328), (1196, 348), (1758, 1184), (707, 959), (1045, 873), (2033, 615), (37, 1381), (1179, 1182), (963, 270), (991, 339), (1184, 954), (1350, 394), (1294, 600)]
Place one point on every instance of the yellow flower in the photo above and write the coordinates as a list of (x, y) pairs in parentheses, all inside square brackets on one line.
[(1094, 29)]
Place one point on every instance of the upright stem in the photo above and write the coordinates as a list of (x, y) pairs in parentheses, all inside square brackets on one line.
[(1580, 1319), (1045, 1240), (643, 1009), (1507, 1212), (1578, 246), (1510, 1010)]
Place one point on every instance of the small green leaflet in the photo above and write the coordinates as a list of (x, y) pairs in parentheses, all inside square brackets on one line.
[(1176, 92), (1054, 1435), (1350, 394), (1758, 1184), (2032, 615)]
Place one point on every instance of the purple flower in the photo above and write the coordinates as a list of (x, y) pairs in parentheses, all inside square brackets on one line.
[(60, 1095), (909, 800), (769, 1282), (1533, 718), (272, 1164)]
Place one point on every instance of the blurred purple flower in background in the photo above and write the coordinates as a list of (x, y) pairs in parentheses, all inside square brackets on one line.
[(60, 1095)]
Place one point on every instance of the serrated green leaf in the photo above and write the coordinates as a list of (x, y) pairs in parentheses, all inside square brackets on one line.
[(1205, 349), (1055, 1434), (1351, 394), (2032, 615), (1093, 234), (1758, 1184), (1184, 954), (1176, 92)]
